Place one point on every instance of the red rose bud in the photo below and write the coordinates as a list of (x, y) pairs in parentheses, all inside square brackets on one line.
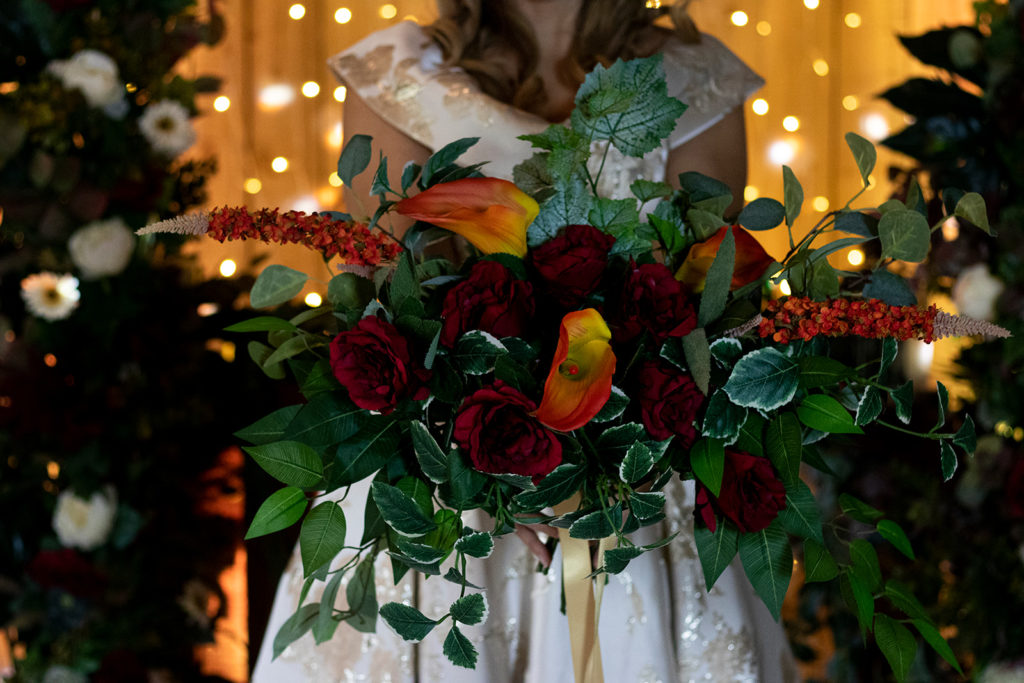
[(372, 361), (654, 301), (572, 263), (751, 496), (751, 260), (492, 214), (580, 380), (491, 299), (669, 401), (494, 426)]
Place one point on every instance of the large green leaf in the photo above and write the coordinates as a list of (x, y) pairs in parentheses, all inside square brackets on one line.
[(558, 485), (469, 609), (408, 622), (762, 214), (715, 549), (801, 516), (270, 428), (938, 643), (355, 157), (897, 643), (329, 418), (432, 459), (276, 285), (295, 626), (707, 458), (864, 154), (459, 650), (784, 446), (768, 562), (819, 565), (361, 593), (475, 544), (905, 235), (822, 371), (365, 452), (646, 504), (279, 511), (464, 481), (290, 462), (322, 536), (569, 205), (860, 600), (719, 278), (826, 414), (764, 379), (893, 532), (865, 563), (399, 510)]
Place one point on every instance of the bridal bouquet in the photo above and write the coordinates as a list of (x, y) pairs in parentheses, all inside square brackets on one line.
[(587, 351)]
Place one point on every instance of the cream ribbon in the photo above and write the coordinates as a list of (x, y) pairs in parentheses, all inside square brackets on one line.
[(582, 598)]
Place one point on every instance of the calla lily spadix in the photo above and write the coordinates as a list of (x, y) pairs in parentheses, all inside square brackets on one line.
[(580, 380), (492, 214)]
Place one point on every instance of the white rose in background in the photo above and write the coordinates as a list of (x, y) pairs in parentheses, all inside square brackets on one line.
[(49, 295), (165, 124), (95, 75), (64, 674), (84, 523), (976, 291), (102, 247)]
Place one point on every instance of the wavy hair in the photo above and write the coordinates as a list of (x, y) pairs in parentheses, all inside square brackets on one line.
[(480, 35)]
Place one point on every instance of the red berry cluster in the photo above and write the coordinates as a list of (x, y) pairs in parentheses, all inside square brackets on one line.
[(354, 242), (802, 318)]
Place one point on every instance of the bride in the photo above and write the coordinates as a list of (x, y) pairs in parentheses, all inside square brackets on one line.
[(497, 70)]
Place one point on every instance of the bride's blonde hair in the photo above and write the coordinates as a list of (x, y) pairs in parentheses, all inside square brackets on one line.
[(481, 35)]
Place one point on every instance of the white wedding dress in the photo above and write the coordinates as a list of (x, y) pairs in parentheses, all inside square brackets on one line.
[(658, 623)]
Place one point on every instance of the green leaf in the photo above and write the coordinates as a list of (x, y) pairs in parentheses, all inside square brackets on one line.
[(361, 593), (864, 154), (431, 458), (890, 348), (819, 565), (637, 463), (410, 172), (698, 358), (751, 436), (290, 462), (768, 562), (715, 549), (276, 285), (365, 452), (892, 532), (294, 627), (476, 351), (669, 226), (646, 190), (627, 104), (972, 207), (719, 278), (858, 510), (326, 624), (560, 483), (904, 600), (943, 397), (469, 609), (646, 504), (704, 224), (903, 398), (792, 195), (569, 205), (476, 544), (400, 511), (762, 214), (905, 235), (783, 445), (322, 536), (826, 414), (271, 428), (869, 407), (444, 157), (465, 482), (354, 158), (614, 216), (456, 577), (705, 193), (932, 636), (822, 371), (890, 288), (617, 559), (949, 462), (965, 437), (865, 563), (613, 407), (897, 643), (801, 516), (408, 622), (860, 599), (593, 526), (707, 458), (288, 349), (329, 418), (279, 511), (459, 650), (519, 481), (764, 379), (723, 419), (264, 323), (380, 185), (614, 442)]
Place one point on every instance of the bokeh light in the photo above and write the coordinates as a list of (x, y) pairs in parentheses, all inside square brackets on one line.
[(759, 106), (791, 123), (739, 18), (228, 267), (343, 15), (252, 185), (222, 103), (279, 164), (310, 88), (296, 11)]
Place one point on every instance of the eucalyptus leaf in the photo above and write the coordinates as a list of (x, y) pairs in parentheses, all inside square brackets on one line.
[(355, 157), (864, 154), (275, 285), (972, 208)]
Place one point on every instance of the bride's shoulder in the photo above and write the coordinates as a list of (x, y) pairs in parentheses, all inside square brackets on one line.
[(706, 74), (385, 53)]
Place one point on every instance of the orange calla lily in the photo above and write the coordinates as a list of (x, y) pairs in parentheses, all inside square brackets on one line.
[(580, 380), (751, 260), (491, 213)]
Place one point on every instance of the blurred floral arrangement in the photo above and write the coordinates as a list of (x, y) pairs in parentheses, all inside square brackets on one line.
[(582, 360), (108, 455)]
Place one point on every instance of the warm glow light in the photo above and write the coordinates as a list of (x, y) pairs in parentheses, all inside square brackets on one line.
[(791, 123), (313, 300), (781, 152), (760, 106), (276, 96), (875, 126), (334, 179), (343, 15), (227, 351), (852, 20), (10, 336), (950, 229), (764, 28), (334, 136), (1018, 434), (811, 4), (296, 11), (872, 182), (252, 185), (739, 18), (750, 193), (855, 257), (228, 267), (387, 11), (279, 164), (306, 203), (206, 309), (340, 93), (850, 102), (53, 469), (50, 360), (784, 288), (310, 88), (653, 4), (820, 203), (820, 67), (222, 103)]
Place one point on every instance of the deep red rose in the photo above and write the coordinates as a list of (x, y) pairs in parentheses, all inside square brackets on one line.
[(669, 401), (572, 263), (495, 427), (652, 300), (751, 495), (491, 299), (372, 361), (67, 570), (1015, 491)]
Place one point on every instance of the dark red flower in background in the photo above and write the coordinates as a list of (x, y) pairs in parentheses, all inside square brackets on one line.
[(491, 299), (67, 570), (572, 263), (751, 496), (669, 401), (651, 300)]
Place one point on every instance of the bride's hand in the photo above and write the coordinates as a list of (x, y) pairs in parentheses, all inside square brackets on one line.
[(529, 535)]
